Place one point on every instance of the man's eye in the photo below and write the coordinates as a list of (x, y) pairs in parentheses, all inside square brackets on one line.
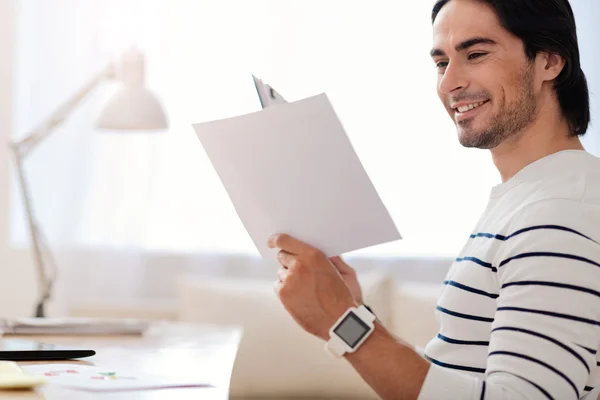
[(441, 64), (473, 56)]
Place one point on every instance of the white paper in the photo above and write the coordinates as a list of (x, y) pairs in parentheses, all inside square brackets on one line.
[(267, 95), (292, 169), (94, 378)]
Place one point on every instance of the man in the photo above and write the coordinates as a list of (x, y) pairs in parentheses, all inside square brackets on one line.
[(520, 313)]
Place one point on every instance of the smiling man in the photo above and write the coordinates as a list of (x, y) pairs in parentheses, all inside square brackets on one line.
[(520, 312)]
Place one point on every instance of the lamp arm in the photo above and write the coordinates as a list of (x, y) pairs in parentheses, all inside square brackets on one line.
[(45, 129), (21, 149), (45, 281)]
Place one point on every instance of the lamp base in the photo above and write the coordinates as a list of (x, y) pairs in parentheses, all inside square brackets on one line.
[(39, 310)]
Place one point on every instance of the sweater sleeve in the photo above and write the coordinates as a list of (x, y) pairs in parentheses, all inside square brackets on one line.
[(546, 327)]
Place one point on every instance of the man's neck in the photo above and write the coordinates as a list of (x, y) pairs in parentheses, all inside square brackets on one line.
[(545, 136)]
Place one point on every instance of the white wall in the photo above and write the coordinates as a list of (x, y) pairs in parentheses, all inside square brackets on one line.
[(17, 284), (587, 14)]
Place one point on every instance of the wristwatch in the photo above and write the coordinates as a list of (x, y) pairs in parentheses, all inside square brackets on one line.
[(350, 331)]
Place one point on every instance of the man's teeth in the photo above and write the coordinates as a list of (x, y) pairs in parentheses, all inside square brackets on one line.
[(466, 108)]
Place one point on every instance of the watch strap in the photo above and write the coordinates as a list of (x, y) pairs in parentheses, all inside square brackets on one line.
[(365, 313), (335, 347)]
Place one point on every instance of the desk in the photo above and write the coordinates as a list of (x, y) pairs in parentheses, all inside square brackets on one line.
[(169, 349)]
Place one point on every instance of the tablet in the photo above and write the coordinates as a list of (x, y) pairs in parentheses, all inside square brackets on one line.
[(30, 350)]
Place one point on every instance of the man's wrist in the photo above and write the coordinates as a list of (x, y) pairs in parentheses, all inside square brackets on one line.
[(380, 342), (382, 359)]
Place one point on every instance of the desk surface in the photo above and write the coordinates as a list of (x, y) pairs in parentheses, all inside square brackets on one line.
[(178, 350)]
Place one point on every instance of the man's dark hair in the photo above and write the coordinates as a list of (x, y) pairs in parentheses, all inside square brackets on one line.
[(548, 25)]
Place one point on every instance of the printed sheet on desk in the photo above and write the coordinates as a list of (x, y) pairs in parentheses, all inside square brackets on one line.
[(94, 378)]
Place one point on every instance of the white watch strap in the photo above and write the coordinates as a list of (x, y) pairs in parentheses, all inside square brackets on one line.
[(335, 347), (365, 314)]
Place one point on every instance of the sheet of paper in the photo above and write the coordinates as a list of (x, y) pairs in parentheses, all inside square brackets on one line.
[(292, 169), (104, 379), (267, 95)]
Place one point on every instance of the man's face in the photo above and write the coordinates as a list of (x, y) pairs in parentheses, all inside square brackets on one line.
[(485, 80)]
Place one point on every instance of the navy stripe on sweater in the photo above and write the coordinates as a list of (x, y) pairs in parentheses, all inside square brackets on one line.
[(539, 362), (453, 366), (462, 342), (527, 255), (552, 284), (588, 349), (465, 316), (548, 254), (470, 289), (482, 392), (550, 314), (548, 338), (477, 261), (531, 228)]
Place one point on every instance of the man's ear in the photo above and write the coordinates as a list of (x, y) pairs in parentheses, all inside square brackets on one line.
[(551, 65)]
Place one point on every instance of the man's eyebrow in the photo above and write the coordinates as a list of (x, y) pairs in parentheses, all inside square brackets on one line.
[(474, 41), (437, 53), (464, 45)]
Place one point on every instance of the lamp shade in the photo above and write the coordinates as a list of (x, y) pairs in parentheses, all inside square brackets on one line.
[(133, 107)]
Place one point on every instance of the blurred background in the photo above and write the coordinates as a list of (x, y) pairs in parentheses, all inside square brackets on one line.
[(126, 215)]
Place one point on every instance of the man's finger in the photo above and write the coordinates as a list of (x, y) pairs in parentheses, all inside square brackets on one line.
[(341, 265), (282, 273), (289, 244), (286, 259)]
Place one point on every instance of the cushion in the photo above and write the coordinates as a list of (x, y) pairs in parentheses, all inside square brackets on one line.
[(276, 357)]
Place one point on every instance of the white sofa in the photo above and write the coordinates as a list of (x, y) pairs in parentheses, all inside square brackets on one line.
[(278, 359)]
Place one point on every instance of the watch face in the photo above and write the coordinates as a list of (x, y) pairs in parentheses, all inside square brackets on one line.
[(351, 329)]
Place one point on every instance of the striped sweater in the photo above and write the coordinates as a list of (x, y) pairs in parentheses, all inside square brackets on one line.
[(520, 312)]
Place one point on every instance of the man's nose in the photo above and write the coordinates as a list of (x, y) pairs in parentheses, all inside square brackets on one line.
[(453, 80)]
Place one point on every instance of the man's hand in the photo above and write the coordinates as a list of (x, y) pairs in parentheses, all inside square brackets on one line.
[(313, 291), (310, 286), (349, 276)]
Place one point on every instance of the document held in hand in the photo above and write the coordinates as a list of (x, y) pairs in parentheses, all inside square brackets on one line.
[(291, 169)]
